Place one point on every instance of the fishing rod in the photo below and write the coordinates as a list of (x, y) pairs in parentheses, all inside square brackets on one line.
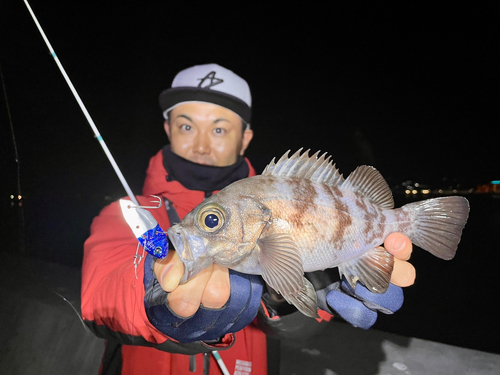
[(98, 136)]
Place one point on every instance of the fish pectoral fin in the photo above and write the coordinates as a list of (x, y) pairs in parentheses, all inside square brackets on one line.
[(306, 301), (282, 269), (373, 269)]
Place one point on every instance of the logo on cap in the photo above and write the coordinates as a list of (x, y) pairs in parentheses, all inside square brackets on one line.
[(209, 80)]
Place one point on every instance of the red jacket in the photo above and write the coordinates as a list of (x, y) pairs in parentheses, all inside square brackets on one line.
[(113, 295)]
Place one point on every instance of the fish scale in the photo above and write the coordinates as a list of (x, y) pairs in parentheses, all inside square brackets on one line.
[(357, 237), (321, 211), (301, 215)]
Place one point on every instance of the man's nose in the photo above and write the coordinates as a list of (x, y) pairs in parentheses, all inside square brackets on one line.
[(202, 144)]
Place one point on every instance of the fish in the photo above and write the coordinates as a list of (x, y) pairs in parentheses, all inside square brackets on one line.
[(301, 215)]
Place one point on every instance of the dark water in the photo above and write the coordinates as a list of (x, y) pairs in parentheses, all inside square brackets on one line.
[(451, 302)]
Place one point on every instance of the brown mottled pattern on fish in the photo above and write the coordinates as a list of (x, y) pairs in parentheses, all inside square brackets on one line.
[(322, 217), (381, 222), (403, 219), (303, 197), (342, 217), (372, 217)]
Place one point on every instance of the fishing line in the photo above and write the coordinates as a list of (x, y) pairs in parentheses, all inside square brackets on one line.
[(19, 194), (18, 164), (75, 310), (16, 154), (84, 109)]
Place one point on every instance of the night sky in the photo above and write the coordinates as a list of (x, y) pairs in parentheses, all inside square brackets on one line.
[(412, 90)]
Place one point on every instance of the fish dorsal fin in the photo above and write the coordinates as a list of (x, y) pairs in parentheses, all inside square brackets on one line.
[(369, 183), (317, 169)]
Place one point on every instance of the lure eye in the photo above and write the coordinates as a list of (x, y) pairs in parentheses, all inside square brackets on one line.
[(211, 218)]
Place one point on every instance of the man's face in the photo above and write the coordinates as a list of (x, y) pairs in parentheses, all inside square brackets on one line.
[(206, 133)]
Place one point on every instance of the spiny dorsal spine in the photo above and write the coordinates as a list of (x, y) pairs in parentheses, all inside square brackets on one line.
[(365, 180), (319, 170)]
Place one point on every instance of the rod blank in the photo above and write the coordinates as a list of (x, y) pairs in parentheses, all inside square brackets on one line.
[(84, 109)]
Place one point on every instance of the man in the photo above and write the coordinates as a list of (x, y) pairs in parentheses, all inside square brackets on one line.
[(152, 324)]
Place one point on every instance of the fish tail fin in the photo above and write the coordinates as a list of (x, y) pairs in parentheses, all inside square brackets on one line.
[(438, 224)]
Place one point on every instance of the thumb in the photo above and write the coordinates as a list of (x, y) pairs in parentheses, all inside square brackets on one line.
[(169, 271)]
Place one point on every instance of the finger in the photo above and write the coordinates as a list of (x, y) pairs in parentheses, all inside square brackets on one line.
[(186, 298), (403, 273), (218, 288), (398, 245), (169, 271)]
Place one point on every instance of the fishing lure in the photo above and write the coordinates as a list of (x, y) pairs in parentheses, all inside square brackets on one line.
[(145, 228)]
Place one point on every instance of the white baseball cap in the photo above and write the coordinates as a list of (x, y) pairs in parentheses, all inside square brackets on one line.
[(210, 83)]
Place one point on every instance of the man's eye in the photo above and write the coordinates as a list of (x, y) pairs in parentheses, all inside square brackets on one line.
[(219, 131), (186, 127)]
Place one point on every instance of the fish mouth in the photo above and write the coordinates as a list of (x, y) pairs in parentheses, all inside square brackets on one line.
[(192, 257), (178, 236)]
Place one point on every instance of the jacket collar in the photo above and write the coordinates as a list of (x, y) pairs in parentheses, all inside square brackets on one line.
[(156, 184)]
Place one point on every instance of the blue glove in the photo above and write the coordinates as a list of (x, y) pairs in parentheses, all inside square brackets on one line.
[(206, 324), (360, 306)]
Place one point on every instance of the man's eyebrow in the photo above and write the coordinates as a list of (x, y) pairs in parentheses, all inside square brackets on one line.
[(185, 116), (220, 119), (214, 122)]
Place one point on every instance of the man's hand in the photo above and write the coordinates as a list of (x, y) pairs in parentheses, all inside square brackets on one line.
[(400, 246), (215, 302), (210, 287), (359, 306)]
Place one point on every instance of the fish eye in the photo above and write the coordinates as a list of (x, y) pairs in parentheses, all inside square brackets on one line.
[(210, 218)]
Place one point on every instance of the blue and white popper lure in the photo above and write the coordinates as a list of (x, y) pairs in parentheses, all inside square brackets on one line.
[(145, 228)]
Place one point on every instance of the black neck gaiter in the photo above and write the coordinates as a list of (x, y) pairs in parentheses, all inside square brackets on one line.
[(206, 178)]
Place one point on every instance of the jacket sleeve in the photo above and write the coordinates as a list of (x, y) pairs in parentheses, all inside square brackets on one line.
[(207, 324), (113, 293)]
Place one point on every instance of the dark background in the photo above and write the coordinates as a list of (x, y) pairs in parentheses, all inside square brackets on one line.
[(410, 89)]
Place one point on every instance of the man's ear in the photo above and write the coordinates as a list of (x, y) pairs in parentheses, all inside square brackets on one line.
[(166, 126), (247, 137)]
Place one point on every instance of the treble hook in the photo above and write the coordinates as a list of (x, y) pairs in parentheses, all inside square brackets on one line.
[(159, 204)]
